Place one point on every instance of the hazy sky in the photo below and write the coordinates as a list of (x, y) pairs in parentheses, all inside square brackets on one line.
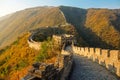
[(9, 6)]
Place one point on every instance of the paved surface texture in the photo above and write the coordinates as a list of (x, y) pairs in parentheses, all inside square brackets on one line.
[(85, 69)]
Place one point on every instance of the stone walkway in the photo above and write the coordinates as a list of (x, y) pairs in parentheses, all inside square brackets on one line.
[(85, 69)]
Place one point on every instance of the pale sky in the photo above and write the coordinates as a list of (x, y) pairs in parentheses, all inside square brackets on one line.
[(9, 6)]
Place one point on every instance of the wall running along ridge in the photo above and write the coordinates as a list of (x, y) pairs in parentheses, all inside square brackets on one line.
[(56, 71), (68, 62), (105, 57), (32, 43)]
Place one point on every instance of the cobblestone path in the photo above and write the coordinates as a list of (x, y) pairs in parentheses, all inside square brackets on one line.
[(85, 69)]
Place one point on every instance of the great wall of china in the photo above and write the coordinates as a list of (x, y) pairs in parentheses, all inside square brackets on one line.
[(105, 57), (43, 71), (32, 43)]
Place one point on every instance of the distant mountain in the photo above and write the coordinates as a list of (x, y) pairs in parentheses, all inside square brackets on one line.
[(28, 19), (97, 27)]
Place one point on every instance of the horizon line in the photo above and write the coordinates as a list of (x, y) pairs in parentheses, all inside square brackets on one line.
[(57, 6)]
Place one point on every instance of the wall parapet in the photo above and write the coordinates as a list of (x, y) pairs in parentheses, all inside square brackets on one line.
[(55, 71), (68, 62), (108, 58), (32, 43)]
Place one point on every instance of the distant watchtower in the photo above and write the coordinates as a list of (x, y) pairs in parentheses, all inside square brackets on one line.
[(67, 39), (60, 40)]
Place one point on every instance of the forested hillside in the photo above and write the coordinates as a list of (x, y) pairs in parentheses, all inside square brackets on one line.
[(17, 59), (102, 27), (97, 27)]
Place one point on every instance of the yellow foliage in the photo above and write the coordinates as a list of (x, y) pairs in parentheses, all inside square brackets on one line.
[(18, 56), (100, 23)]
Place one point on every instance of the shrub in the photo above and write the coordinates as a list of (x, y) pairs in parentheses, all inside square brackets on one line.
[(43, 52), (4, 70), (20, 65)]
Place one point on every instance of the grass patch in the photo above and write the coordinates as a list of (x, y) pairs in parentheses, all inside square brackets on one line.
[(4, 70), (46, 51), (20, 65)]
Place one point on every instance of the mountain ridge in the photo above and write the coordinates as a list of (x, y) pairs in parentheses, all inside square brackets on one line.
[(84, 20)]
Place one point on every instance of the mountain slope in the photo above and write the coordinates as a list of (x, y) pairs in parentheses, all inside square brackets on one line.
[(16, 57), (96, 27), (92, 28), (100, 24), (26, 20)]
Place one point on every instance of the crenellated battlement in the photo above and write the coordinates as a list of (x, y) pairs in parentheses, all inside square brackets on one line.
[(105, 57)]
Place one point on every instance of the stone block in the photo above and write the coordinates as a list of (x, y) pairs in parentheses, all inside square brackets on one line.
[(109, 64), (42, 66), (88, 54), (86, 51), (97, 55), (82, 50), (101, 61), (38, 72), (117, 67), (104, 54), (114, 55), (79, 50), (98, 51), (95, 58), (75, 49), (91, 53)]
